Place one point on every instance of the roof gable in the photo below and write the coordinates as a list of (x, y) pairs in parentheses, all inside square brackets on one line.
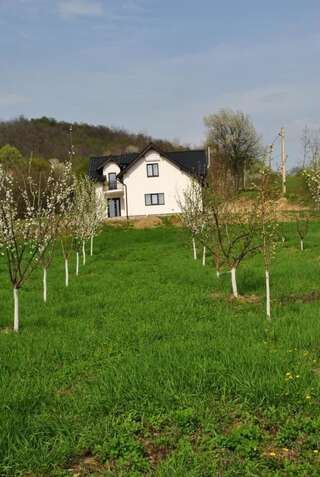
[(192, 162)]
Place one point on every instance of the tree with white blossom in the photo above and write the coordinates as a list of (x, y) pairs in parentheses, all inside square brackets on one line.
[(265, 207), (191, 205), (28, 208)]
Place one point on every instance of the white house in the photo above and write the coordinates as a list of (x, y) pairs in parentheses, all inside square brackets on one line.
[(147, 183)]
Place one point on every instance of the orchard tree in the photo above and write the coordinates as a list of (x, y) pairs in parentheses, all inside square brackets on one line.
[(27, 210), (191, 205), (62, 178), (233, 136), (97, 214), (67, 230), (228, 231), (302, 226), (266, 213), (312, 178)]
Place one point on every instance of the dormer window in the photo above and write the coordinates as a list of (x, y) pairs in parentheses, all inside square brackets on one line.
[(152, 170)]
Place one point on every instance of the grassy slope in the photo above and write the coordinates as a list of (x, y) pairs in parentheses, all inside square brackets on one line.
[(139, 371)]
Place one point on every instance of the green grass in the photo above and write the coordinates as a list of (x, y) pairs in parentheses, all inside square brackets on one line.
[(137, 369), (297, 190)]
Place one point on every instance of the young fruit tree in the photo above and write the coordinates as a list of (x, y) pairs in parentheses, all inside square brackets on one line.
[(27, 209), (312, 178), (209, 232), (66, 233), (302, 225), (191, 205), (82, 217), (267, 219), (96, 212), (232, 232), (63, 188)]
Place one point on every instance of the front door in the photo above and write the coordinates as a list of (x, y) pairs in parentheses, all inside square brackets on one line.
[(114, 208)]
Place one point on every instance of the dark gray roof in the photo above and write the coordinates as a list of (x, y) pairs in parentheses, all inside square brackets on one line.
[(193, 162)]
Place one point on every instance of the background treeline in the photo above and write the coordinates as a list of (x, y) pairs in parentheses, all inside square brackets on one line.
[(47, 138)]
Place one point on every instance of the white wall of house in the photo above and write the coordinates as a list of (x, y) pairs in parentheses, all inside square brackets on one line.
[(172, 182)]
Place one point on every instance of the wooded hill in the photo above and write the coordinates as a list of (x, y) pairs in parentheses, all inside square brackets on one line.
[(48, 138)]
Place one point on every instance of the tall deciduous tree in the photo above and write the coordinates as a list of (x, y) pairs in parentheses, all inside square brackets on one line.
[(233, 136)]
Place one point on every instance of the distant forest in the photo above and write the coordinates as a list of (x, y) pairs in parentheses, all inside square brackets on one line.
[(47, 138)]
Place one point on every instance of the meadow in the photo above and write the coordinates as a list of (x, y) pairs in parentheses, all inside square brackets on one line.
[(144, 366)]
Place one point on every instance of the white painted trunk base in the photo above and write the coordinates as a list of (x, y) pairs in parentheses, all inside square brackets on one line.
[(301, 245), (16, 309), (45, 288), (84, 252), (268, 302), (77, 263), (234, 282), (66, 268), (91, 246), (204, 256), (218, 274), (194, 249)]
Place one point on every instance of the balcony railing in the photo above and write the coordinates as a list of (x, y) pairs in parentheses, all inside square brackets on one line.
[(113, 188)]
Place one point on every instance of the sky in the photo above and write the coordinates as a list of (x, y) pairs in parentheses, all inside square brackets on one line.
[(160, 66)]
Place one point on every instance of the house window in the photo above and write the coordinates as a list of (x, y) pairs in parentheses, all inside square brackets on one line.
[(154, 199), (152, 170), (112, 181)]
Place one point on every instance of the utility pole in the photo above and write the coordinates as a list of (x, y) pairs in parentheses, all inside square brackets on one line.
[(283, 161)]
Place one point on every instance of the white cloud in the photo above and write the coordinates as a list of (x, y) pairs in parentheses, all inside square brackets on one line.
[(80, 8)]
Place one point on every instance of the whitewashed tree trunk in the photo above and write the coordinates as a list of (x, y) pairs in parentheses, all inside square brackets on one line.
[(301, 245), (77, 263), (91, 246), (66, 268), (218, 274), (204, 256), (194, 248), (16, 309), (45, 284), (268, 302), (83, 252), (234, 282)]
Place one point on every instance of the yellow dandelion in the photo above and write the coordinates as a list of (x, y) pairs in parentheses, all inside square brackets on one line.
[(285, 449), (272, 454)]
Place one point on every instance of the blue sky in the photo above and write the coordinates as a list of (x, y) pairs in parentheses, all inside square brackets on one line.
[(160, 66)]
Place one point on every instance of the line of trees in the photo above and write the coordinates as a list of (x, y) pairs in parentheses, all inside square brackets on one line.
[(36, 212), (230, 232), (47, 138)]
